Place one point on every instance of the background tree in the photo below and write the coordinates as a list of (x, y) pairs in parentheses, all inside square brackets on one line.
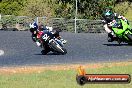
[(87, 9), (65, 8), (11, 7), (35, 8), (91, 9)]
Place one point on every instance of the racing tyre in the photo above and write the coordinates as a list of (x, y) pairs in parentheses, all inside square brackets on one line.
[(58, 49), (65, 51), (130, 43), (129, 36)]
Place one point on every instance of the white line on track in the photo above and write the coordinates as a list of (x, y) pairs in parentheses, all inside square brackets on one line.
[(1, 52)]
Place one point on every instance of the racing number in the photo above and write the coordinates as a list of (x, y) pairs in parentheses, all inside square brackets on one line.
[(45, 37)]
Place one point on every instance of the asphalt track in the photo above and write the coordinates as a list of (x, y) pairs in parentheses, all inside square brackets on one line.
[(19, 50)]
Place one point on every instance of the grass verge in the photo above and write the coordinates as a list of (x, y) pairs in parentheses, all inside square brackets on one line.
[(53, 78)]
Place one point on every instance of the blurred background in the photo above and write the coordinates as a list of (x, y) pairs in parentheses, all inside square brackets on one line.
[(64, 15)]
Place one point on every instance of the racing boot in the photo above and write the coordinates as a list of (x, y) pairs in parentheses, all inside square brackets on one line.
[(63, 41), (111, 38)]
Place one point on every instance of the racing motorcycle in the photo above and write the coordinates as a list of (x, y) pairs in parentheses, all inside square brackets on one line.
[(50, 43), (122, 31)]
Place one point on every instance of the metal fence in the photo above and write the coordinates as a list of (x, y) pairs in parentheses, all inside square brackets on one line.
[(9, 22), (82, 25)]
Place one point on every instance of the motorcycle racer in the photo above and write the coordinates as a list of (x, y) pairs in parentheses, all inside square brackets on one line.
[(37, 31), (34, 31), (110, 17)]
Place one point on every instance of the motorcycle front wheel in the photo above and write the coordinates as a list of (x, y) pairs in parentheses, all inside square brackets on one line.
[(57, 48)]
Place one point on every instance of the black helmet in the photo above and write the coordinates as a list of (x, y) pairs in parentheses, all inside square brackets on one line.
[(108, 14)]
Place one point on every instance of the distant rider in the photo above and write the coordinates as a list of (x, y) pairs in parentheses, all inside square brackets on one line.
[(108, 17)]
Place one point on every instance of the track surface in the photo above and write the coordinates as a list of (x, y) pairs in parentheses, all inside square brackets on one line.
[(19, 49)]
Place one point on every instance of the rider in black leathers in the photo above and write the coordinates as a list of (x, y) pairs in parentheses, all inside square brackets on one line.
[(35, 29)]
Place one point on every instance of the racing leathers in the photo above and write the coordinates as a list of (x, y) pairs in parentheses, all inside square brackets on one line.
[(36, 36), (107, 22)]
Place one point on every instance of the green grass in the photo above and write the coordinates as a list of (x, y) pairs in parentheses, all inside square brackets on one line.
[(60, 79)]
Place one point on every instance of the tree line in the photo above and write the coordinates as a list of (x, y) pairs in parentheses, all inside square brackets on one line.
[(87, 9)]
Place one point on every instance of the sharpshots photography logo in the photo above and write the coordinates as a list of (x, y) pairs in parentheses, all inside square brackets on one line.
[(112, 78), (103, 78), (83, 78)]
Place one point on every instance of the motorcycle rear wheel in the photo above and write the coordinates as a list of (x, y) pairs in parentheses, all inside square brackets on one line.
[(129, 36)]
